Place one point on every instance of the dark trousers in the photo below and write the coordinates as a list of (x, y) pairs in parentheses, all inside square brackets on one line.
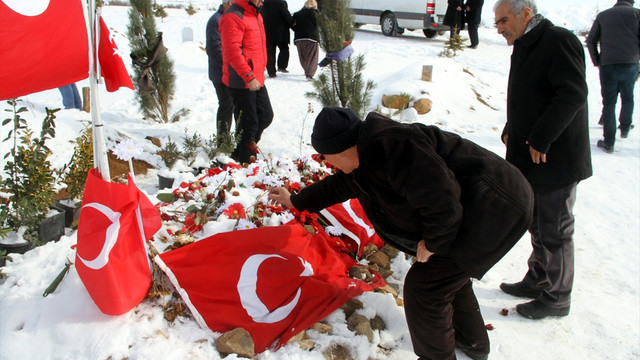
[(440, 307), (308, 55), (254, 115), (225, 112), (617, 79), (473, 34), (551, 261), (283, 56)]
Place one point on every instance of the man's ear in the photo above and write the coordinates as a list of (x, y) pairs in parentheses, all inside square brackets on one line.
[(527, 13)]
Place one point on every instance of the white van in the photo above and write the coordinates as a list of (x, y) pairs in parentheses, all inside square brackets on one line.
[(394, 16)]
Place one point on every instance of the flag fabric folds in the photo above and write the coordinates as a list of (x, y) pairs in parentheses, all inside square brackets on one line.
[(350, 218), (272, 281), (43, 45), (111, 256), (111, 66)]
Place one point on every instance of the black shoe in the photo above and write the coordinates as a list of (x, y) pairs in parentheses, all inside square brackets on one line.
[(520, 290), (537, 310), (606, 148), (273, 75), (625, 133), (283, 71), (472, 351), (472, 46)]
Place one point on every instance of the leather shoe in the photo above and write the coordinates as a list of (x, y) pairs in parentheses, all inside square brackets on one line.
[(472, 351), (537, 310), (606, 148), (625, 133), (520, 290)]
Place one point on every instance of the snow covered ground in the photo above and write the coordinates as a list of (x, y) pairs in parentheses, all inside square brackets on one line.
[(468, 94)]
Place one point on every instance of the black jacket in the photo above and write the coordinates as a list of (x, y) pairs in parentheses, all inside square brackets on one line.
[(618, 31), (417, 182), (305, 25), (474, 15), (454, 17), (213, 46), (277, 20), (547, 107)]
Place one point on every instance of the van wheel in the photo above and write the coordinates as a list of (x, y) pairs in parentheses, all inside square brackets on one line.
[(430, 34), (389, 25)]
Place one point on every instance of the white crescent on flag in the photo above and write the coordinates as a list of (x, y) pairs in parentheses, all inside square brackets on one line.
[(27, 7), (247, 285), (111, 236)]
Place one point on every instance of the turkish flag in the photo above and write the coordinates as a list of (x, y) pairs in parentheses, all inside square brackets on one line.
[(350, 218), (111, 66), (111, 256), (43, 45), (272, 281)]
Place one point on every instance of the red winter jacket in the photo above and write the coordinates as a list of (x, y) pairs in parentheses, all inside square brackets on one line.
[(244, 53)]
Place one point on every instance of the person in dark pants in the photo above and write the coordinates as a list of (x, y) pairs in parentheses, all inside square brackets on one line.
[(473, 17), (277, 22), (547, 138), (214, 53), (455, 206), (617, 30), (244, 58)]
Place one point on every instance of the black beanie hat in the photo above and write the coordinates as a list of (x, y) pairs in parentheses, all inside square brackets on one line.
[(335, 130)]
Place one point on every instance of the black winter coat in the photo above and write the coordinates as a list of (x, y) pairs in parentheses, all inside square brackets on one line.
[(474, 15), (417, 182), (214, 46), (617, 30), (453, 17), (547, 107), (277, 20)]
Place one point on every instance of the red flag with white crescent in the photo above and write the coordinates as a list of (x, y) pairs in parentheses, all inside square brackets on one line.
[(111, 66), (111, 256), (272, 281), (350, 218), (43, 45)]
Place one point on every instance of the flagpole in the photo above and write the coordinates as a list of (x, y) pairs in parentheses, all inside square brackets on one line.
[(100, 159)]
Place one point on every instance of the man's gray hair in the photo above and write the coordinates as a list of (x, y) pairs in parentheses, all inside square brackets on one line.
[(518, 5), (224, 2)]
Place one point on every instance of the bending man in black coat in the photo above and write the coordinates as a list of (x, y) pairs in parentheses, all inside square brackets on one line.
[(547, 138), (454, 205)]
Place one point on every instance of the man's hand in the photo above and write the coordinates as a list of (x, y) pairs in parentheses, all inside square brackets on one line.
[(254, 85), (423, 254), (281, 196), (536, 156)]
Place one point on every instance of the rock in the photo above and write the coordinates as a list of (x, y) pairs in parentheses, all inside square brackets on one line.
[(360, 325), (237, 341), (381, 259), (422, 106), (395, 102), (368, 250), (390, 251), (306, 344), (400, 302), (360, 273), (323, 328), (337, 352), (377, 323), (351, 306), (386, 290), (155, 141)]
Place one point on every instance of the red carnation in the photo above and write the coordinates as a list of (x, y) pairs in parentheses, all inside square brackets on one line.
[(235, 211)]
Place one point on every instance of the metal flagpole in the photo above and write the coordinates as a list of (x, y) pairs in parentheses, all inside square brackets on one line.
[(100, 159)]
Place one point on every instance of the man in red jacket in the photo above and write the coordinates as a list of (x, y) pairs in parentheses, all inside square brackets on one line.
[(244, 58)]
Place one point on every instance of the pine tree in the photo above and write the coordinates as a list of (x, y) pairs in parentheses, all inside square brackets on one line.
[(190, 10), (340, 83), (153, 70), (453, 45)]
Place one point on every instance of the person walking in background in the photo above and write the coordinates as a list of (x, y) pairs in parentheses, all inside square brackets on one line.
[(244, 59), (617, 31), (71, 96), (453, 17), (277, 22), (214, 53), (547, 138), (473, 18), (305, 29), (455, 206)]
